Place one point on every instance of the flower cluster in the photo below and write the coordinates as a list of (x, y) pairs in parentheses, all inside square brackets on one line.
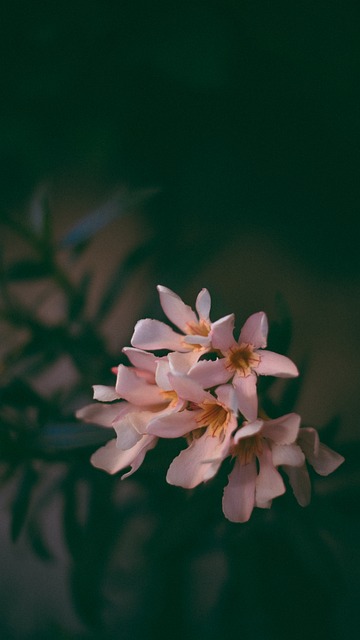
[(205, 390)]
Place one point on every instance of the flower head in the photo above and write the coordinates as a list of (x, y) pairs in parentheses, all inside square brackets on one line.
[(195, 326), (258, 447), (243, 360), (205, 391)]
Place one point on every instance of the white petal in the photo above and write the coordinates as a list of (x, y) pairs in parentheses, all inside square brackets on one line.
[(221, 333), (269, 483), (105, 393), (282, 430), (246, 395), (175, 309), (287, 454), (203, 304), (274, 364), (239, 495), (153, 335), (255, 330)]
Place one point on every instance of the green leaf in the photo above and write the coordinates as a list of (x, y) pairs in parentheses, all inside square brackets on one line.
[(27, 270), (21, 504)]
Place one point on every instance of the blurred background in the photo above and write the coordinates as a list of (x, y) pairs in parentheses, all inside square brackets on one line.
[(192, 144)]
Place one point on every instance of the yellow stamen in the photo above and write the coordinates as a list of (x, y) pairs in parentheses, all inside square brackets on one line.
[(201, 328), (214, 416), (242, 359)]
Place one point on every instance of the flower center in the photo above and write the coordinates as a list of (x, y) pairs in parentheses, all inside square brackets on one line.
[(247, 448), (242, 359), (201, 328), (214, 416)]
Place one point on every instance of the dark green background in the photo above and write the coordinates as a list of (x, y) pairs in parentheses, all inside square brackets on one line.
[(245, 112)]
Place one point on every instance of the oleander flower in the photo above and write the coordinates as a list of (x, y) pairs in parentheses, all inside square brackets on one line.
[(207, 424), (195, 327), (205, 390), (242, 361), (140, 400), (258, 448), (323, 460)]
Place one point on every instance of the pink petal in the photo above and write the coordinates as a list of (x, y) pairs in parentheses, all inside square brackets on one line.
[(227, 396), (327, 460), (239, 495), (322, 458), (112, 459), (309, 441), (269, 483), (300, 484), (202, 341), (287, 454), (210, 373), (248, 430), (173, 425), (198, 463), (136, 390), (144, 445), (246, 395), (203, 304), (131, 428), (141, 359), (162, 375), (182, 362), (104, 393), (102, 414), (274, 364), (188, 389), (153, 334), (221, 333), (255, 330), (175, 309), (282, 430)]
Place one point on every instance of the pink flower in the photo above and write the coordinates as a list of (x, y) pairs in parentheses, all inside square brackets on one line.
[(242, 361), (207, 425), (195, 327), (141, 399), (271, 443), (323, 459)]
